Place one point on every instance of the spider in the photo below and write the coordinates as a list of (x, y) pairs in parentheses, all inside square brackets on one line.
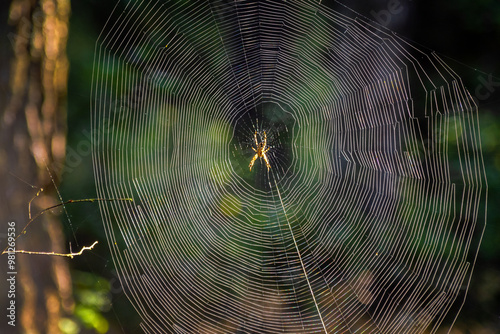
[(261, 151)]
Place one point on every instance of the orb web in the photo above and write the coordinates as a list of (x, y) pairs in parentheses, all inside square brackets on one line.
[(368, 219)]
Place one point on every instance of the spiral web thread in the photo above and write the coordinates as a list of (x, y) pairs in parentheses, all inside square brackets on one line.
[(370, 217)]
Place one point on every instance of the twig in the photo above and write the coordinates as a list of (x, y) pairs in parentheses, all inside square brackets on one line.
[(71, 255), (71, 201), (29, 204)]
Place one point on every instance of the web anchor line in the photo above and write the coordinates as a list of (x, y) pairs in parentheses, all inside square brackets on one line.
[(298, 253)]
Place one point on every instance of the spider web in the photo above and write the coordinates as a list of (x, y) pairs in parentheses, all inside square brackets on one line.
[(370, 216)]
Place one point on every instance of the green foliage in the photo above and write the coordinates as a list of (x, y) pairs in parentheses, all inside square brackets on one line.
[(93, 299), (69, 326)]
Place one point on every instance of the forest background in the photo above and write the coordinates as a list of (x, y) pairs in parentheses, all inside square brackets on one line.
[(83, 294)]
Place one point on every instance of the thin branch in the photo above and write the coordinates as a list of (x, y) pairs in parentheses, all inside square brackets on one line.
[(71, 201), (71, 255), (29, 204)]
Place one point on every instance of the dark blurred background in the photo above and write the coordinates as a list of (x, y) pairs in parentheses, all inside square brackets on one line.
[(466, 34)]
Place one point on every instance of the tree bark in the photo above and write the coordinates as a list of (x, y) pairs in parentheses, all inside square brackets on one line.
[(33, 135)]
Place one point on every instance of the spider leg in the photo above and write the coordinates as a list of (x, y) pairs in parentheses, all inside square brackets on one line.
[(255, 136), (253, 161), (267, 161), (264, 152), (265, 140), (254, 149)]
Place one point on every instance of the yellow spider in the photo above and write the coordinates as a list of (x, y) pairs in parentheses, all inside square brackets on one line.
[(261, 151)]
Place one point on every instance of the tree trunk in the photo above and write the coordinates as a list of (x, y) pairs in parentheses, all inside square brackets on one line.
[(33, 138)]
